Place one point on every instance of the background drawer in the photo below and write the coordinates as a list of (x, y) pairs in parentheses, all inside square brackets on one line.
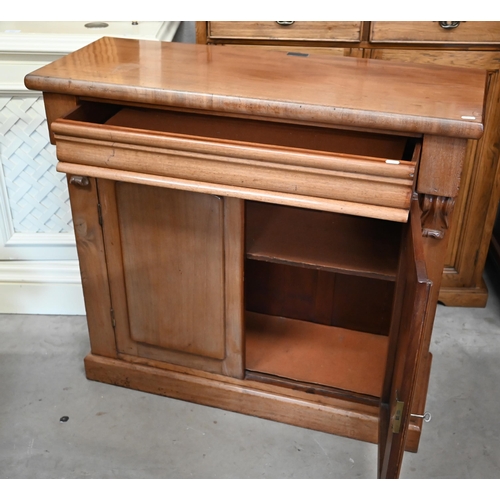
[(345, 31), (432, 32)]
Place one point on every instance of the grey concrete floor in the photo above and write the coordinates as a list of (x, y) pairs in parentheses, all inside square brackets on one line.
[(120, 433)]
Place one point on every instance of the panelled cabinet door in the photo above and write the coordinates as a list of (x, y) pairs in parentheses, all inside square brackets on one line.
[(173, 269), (406, 339)]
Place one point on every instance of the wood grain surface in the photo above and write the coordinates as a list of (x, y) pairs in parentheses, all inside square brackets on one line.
[(352, 92)]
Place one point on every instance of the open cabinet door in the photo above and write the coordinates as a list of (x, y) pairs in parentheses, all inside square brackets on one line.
[(405, 343)]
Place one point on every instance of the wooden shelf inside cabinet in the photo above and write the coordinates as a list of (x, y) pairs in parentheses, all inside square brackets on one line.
[(321, 240), (309, 353)]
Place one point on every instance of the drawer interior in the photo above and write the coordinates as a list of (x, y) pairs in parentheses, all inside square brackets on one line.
[(250, 131)]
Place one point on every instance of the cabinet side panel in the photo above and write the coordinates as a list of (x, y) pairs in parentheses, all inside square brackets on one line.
[(57, 105), (90, 246), (173, 259), (441, 166)]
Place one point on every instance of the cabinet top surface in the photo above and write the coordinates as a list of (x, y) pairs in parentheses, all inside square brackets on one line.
[(328, 90)]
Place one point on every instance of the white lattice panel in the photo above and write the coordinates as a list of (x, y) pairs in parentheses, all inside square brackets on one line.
[(38, 195)]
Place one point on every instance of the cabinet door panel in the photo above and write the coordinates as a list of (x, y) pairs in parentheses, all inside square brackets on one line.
[(173, 250), (405, 346), (167, 250)]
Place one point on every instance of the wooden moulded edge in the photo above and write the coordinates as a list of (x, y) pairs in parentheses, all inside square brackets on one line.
[(289, 180), (315, 203), (392, 168), (314, 114)]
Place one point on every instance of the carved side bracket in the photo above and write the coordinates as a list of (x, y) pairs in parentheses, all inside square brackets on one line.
[(436, 212)]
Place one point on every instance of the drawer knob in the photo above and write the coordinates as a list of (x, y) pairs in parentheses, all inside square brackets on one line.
[(79, 180), (449, 25), (285, 23)]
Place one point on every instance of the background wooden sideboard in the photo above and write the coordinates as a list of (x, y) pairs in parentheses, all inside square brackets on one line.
[(468, 44)]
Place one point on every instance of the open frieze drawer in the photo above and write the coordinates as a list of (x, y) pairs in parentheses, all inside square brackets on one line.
[(359, 173)]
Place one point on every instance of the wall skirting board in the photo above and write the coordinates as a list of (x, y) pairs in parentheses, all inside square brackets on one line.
[(41, 287), (39, 271)]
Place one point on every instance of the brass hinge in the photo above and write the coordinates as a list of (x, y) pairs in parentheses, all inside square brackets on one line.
[(99, 213), (113, 321)]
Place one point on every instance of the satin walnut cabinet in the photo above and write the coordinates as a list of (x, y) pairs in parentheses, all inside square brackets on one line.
[(262, 231)]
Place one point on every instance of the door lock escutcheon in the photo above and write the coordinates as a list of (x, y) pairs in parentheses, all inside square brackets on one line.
[(398, 414)]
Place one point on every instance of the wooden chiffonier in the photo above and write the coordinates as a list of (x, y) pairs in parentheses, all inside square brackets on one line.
[(261, 231), (450, 43)]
